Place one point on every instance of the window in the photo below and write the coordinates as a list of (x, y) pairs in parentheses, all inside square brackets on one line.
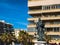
[(35, 8), (52, 7), (31, 22), (56, 29), (55, 37), (57, 6), (57, 22), (49, 29), (48, 7), (32, 29)]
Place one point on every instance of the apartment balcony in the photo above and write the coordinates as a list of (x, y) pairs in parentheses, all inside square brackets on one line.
[(43, 11), (31, 33), (32, 19), (31, 25), (51, 18), (46, 25), (32, 3), (52, 25), (45, 18), (52, 33), (54, 41)]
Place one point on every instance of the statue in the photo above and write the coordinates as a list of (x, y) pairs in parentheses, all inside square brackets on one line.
[(40, 30)]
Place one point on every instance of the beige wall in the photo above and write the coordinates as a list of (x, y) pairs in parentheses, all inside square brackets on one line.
[(16, 32), (39, 3), (44, 18), (43, 2), (43, 11), (52, 33), (31, 33), (46, 25)]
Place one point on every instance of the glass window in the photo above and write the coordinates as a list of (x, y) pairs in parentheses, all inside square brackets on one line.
[(49, 29), (31, 22), (50, 7), (57, 6), (56, 29), (55, 36), (57, 22), (35, 8), (43, 7), (32, 29)]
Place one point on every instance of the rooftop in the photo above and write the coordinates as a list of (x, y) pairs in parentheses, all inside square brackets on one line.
[(43, 2)]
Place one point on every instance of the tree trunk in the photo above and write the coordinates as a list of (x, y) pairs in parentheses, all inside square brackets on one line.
[(13, 43), (5, 43), (21, 43)]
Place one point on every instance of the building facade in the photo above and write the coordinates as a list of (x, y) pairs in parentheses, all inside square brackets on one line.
[(16, 31), (49, 12), (5, 27)]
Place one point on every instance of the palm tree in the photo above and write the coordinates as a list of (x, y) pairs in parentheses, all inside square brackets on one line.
[(30, 38), (6, 38), (24, 38), (3, 37), (47, 38)]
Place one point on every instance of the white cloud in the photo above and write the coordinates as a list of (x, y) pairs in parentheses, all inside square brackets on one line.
[(21, 23)]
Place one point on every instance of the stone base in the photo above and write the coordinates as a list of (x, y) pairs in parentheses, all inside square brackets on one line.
[(40, 43)]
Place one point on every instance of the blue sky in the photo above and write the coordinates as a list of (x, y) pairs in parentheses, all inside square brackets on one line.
[(14, 12)]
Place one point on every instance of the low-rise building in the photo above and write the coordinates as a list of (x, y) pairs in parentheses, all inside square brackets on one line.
[(5, 27), (16, 31)]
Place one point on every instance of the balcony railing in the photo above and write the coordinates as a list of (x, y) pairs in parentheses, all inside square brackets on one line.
[(31, 25), (52, 25), (54, 41), (32, 19), (43, 11), (46, 25), (31, 33), (52, 33), (45, 18)]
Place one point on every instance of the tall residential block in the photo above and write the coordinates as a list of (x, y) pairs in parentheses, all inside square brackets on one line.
[(49, 12)]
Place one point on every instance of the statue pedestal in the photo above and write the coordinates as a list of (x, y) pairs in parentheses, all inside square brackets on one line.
[(40, 43)]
